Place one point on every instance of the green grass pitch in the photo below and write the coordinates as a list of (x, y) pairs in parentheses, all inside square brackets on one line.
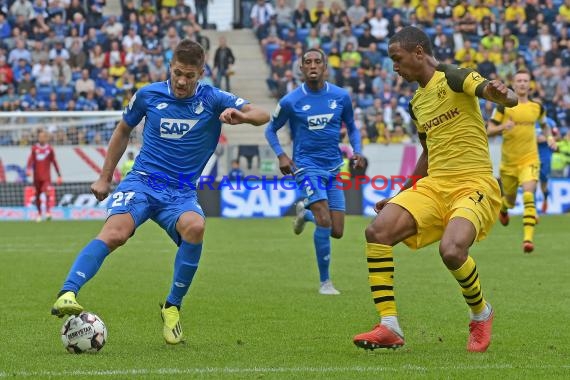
[(253, 311)]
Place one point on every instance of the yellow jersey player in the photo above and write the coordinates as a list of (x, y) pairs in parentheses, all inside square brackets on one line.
[(457, 200), (519, 160)]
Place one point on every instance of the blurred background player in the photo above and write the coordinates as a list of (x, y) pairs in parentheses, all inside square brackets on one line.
[(561, 155), (545, 157), (519, 157), (315, 112), (128, 164), (40, 161)]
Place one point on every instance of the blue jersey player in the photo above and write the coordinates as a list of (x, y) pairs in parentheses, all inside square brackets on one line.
[(316, 111), (181, 130), (545, 156)]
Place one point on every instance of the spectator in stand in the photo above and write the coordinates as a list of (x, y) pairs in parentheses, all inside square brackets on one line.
[(158, 70), (22, 8), (19, 51), (5, 27), (379, 25), (85, 83), (301, 16), (284, 14), (356, 13), (260, 14), (318, 11), (278, 69), (25, 87), (223, 64), (39, 165)]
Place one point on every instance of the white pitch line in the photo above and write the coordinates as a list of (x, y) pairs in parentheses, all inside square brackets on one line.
[(229, 370)]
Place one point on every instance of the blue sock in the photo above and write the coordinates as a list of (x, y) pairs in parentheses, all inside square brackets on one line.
[(309, 217), (185, 266), (323, 249), (86, 264)]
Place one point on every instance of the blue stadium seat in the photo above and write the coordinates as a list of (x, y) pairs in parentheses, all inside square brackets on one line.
[(357, 31), (302, 34), (383, 48), (269, 49), (44, 93), (327, 47)]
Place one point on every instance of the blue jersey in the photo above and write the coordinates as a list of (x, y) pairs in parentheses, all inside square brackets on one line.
[(544, 151), (179, 135), (315, 119)]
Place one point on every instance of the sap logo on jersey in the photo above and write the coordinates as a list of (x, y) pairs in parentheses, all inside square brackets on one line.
[(175, 128), (319, 121)]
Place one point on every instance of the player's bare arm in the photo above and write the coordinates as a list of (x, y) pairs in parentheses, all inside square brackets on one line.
[(547, 133), (498, 92), (117, 146), (420, 171), (494, 129), (249, 114)]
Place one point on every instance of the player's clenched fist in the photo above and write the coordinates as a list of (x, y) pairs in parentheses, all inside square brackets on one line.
[(232, 116), (100, 189)]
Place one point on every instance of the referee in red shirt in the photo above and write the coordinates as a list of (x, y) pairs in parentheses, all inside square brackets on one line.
[(40, 161)]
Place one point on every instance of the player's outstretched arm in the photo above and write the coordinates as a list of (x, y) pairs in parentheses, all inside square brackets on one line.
[(117, 146), (249, 114), (498, 92)]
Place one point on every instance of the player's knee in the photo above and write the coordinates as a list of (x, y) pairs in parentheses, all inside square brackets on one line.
[(452, 252), (377, 234), (115, 237), (336, 233), (193, 230)]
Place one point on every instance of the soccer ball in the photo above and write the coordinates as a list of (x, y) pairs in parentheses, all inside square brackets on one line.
[(83, 333)]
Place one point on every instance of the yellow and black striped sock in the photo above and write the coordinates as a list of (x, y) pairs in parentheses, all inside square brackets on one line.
[(505, 205), (468, 278), (529, 216), (381, 278)]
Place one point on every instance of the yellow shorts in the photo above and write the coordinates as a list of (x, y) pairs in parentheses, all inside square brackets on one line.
[(434, 202), (514, 176)]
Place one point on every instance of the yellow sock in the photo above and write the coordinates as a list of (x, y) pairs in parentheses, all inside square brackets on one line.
[(529, 216), (505, 205), (468, 278), (381, 278)]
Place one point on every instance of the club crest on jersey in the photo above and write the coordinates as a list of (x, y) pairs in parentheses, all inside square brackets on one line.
[(441, 92), (319, 121), (175, 128), (199, 108), (332, 104)]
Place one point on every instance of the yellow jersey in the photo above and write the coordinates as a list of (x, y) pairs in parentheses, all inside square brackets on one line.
[(519, 143), (447, 111)]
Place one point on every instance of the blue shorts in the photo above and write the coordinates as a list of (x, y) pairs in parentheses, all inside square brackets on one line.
[(544, 169), (136, 195), (317, 185)]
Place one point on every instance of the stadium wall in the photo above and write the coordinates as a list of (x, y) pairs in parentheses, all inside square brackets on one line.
[(73, 200)]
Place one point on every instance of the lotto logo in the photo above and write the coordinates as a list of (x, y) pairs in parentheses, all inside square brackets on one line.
[(319, 121), (175, 128)]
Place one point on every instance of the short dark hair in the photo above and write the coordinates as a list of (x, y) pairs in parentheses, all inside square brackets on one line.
[(189, 52), (410, 37), (321, 52)]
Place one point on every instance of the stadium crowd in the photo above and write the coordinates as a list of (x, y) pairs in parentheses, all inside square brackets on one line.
[(66, 55), (494, 37)]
